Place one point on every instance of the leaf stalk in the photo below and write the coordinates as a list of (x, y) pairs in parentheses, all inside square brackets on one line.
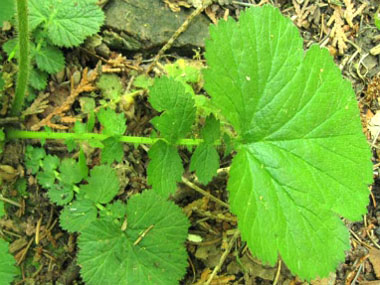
[(19, 134)]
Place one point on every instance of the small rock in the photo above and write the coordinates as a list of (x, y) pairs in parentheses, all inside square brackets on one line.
[(147, 24)]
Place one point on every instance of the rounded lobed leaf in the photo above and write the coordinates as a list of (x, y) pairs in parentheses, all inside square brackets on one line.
[(149, 251)]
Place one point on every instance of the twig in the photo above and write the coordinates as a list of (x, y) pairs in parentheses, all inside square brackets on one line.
[(24, 252), (203, 192), (277, 273), (2, 198), (359, 240), (38, 227), (139, 239), (177, 33), (224, 256)]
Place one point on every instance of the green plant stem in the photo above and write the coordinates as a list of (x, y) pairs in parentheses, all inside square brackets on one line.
[(18, 134), (23, 60)]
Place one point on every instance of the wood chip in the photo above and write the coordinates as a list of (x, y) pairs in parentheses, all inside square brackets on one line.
[(374, 258)]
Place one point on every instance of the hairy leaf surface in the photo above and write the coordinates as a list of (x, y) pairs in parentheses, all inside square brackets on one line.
[(113, 256), (303, 160), (68, 22)]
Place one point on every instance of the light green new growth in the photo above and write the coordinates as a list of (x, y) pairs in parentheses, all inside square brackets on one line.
[(148, 249), (205, 159), (303, 161)]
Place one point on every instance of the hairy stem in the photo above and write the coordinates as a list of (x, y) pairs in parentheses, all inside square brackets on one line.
[(18, 134), (23, 60)]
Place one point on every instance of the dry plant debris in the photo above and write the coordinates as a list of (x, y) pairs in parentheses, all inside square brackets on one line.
[(340, 17), (85, 85)]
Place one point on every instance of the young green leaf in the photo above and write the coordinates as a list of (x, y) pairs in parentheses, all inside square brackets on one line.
[(165, 168), (33, 158), (211, 130), (71, 172), (103, 184), (205, 159), (50, 162), (82, 163), (38, 79), (170, 97), (114, 124), (61, 194), (185, 70), (205, 162), (110, 85), (112, 151), (116, 210), (46, 178), (68, 22), (150, 251), (50, 59), (78, 215), (8, 270), (303, 159)]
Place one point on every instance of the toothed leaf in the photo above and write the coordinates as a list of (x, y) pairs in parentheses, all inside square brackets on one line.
[(103, 184), (71, 172), (68, 22), (107, 254), (205, 162), (7, 268), (112, 150), (165, 168), (114, 124), (78, 215), (170, 97), (50, 59), (303, 160)]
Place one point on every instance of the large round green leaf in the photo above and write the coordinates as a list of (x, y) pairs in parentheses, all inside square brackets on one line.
[(303, 160)]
